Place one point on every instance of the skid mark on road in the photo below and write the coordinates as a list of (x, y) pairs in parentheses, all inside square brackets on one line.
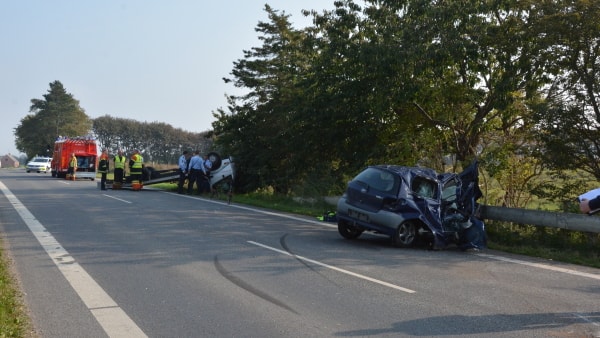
[(239, 282), (114, 321)]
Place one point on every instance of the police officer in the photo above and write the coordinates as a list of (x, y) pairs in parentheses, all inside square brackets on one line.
[(184, 161), (197, 171)]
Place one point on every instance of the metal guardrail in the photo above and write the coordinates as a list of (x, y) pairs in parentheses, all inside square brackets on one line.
[(562, 220)]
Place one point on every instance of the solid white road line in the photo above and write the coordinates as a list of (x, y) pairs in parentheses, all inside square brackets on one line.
[(541, 266), (114, 321), (264, 212), (380, 282)]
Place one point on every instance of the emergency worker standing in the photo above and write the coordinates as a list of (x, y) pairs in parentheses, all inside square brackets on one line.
[(135, 169), (103, 169), (72, 167), (119, 169)]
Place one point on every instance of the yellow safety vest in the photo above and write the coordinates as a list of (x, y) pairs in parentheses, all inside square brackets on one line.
[(120, 162), (137, 162)]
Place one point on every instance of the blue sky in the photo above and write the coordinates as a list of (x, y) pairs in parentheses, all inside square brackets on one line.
[(144, 60)]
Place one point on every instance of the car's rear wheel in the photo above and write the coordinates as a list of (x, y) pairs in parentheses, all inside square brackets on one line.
[(406, 235), (348, 230)]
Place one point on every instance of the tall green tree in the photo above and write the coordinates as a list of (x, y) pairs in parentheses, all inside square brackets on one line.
[(57, 114), (259, 128), (568, 37)]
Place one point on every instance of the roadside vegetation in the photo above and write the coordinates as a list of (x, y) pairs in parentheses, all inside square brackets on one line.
[(14, 321)]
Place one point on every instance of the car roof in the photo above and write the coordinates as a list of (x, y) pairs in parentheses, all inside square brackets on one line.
[(408, 171)]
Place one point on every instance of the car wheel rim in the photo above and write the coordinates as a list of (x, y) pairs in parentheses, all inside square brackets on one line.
[(406, 233)]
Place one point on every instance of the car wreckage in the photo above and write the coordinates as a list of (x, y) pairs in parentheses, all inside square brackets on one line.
[(414, 205)]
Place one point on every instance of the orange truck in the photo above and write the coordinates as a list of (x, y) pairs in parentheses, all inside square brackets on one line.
[(86, 151)]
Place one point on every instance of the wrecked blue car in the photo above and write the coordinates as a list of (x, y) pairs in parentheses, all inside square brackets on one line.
[(413, 206)]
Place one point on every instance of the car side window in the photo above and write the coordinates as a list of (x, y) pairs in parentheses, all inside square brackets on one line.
[(424, 187)]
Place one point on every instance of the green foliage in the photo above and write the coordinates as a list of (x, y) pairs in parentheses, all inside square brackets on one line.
[(389, 82), (567, 40), (58, 114), (556, 244), (159, 143), (13, 319)]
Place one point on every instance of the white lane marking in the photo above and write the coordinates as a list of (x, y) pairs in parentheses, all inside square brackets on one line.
[(380, 282), (541, 266), (118, 199), (114, 321), (264, 212)]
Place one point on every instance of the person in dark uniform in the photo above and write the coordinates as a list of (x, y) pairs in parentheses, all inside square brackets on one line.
[(197, 172), (103, 169)]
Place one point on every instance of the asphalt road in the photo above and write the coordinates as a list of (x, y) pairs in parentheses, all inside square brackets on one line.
[(127, 263)]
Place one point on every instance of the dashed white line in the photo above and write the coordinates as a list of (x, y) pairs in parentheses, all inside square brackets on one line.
[(118, 199), (377, 281), (114, 321)]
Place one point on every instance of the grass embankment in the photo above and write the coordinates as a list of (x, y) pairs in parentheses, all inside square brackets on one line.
[(14, 321)]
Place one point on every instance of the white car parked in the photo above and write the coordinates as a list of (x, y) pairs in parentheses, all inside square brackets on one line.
[(39, 164)]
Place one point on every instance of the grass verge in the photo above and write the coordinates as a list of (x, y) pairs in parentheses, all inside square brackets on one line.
[(14, 321)]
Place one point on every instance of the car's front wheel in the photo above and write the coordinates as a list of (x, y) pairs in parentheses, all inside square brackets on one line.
[(348, 230), (406, 235)]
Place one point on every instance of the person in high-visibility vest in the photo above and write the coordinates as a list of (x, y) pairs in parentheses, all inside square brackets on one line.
[(135, 168), (103, 169), (119, 169), (72, 167)]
